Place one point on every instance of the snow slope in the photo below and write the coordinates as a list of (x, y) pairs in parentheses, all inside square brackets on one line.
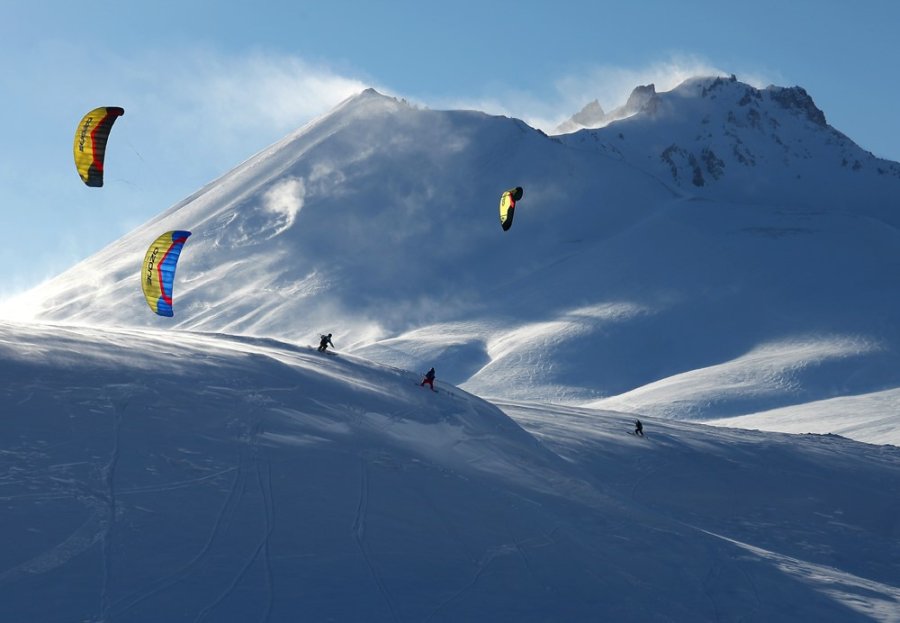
[(868, 417), (187, 476), (721, 253)]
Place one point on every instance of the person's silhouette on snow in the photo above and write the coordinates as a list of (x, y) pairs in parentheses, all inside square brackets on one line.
[(429, 378), (324, 342), (638, 428)]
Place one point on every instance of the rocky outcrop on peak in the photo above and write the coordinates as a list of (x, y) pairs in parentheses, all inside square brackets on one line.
[(642, 99), (721, 138), (797, 99)]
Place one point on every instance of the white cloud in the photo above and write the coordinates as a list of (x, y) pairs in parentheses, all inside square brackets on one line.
[(612, 85), (225, 107), (260, 89)]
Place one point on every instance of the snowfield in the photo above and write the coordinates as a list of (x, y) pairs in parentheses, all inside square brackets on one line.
[(201, 477)]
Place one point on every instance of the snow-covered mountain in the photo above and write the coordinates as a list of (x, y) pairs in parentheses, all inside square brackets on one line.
[(723, 139), (722, 255), (723, 252), (179, 476)]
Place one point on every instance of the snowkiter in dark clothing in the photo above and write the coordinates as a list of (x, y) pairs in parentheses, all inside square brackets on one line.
[(638, 428), (324, 342), (429, 378)]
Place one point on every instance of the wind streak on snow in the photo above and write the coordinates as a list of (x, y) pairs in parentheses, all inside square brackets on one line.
[(879, 601), (285, 200), (768, 370), (527, 351), (571, 324), (81, 540)]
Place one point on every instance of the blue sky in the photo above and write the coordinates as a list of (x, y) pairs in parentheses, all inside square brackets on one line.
[(207, 84)]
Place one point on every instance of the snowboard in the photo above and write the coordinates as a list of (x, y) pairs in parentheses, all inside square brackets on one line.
[(422, 386)]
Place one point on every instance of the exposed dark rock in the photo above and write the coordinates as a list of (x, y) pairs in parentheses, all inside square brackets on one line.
[(796, 98)]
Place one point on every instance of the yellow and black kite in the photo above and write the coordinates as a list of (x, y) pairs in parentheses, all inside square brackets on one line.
[(508, 206), (90, 143)]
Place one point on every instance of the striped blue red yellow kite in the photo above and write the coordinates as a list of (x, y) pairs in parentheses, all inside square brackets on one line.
[(158, 273)]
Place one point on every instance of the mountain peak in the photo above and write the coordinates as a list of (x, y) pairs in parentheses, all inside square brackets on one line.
[(590, 113), (739, 142), (371, 93), (371, 98), (790, 98), (642, 98)]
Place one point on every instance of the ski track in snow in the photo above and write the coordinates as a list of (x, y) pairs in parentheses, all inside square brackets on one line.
[(25, 399), (533, 542), (262, 550), (172, 486), (108, 533), (264, 479), (218, 530), (232, 501), (359, 534), (480, 567)]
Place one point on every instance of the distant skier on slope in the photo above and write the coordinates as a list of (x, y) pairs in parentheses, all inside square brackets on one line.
[(429, 378), (324, 341), (638, 428)]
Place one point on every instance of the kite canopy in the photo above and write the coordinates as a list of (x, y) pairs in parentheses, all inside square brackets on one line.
[(90, 143), (158, 273), (508, 206)]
